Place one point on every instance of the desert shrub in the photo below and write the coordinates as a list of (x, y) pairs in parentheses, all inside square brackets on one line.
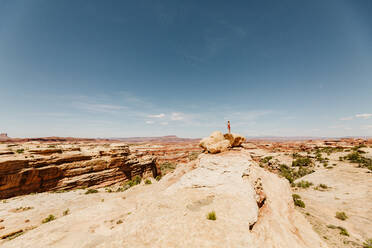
[(109, 190), (23, 208), (158, 178), (355, 157), (367, 244), (266, 159), (343, 231), (291, 174), (297, 201), (341, 215), (51, 146), (321, 186), (304, 184), (49, 218), (148, 181), (91, 191), (193, 156), (119, 222), (137, 180), (167, 167), (212, 216), (19, 151), (302, 161), (66, 212), (14, 235)]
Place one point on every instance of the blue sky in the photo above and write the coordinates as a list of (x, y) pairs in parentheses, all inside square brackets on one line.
[(151, 68)]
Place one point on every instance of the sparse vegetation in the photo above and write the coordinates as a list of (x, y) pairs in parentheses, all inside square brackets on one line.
[(167, 167), (119, 222), (321, 187), (343, 231), (158, 178), (148, 181), (356, 157), (136, 180), (291, 174), (19, 151), (266, 159), (302, 161), (66, 212), (14, 235), (21, 209), (297, 201), (193, 156), (91, 191), (51, 217), (341, 215), (304, 184), (367, 244), (211, 216)]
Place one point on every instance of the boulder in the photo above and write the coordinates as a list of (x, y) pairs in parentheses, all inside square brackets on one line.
[(235, 139), (218, 142)]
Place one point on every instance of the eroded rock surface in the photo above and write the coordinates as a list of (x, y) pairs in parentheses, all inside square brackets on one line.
[(218, 142), (253, 207), (38, 169)]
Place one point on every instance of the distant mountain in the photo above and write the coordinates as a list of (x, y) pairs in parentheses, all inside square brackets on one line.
[(161, 139)]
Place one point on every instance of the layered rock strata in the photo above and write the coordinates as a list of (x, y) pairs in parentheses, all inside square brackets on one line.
[(70, 169)]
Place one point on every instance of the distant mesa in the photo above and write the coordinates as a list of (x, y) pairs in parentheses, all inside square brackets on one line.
[(4, 136), (161, 139)]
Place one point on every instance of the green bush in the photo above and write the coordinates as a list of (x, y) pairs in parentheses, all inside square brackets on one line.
[(297, 201), (355, 157), (302, 161), (212, 216), (291, 174), (266, 159), (304, 184), (343, 231), (367, 244), (19, 151), (91, 191), (341, 215), (148, 181), (49, 218)]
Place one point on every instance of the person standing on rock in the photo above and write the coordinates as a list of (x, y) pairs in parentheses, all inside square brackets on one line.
[(228, 126)]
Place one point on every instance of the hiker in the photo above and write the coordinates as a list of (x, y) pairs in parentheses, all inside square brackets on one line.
[(228, 126)]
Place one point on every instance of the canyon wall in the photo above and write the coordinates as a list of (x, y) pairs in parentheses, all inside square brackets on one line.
[(32, 169)]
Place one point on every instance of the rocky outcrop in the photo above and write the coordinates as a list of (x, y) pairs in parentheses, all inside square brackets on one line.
[(218, 142), (71, 169), (253, 208)]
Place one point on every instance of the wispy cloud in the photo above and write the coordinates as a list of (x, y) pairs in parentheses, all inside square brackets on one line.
[(156, 116), (150, 122), (99, 108), (364, 116), (177, 116)]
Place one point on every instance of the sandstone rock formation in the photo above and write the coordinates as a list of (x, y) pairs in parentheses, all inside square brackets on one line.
[(70, 168), (217, 142), (253, 207)]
